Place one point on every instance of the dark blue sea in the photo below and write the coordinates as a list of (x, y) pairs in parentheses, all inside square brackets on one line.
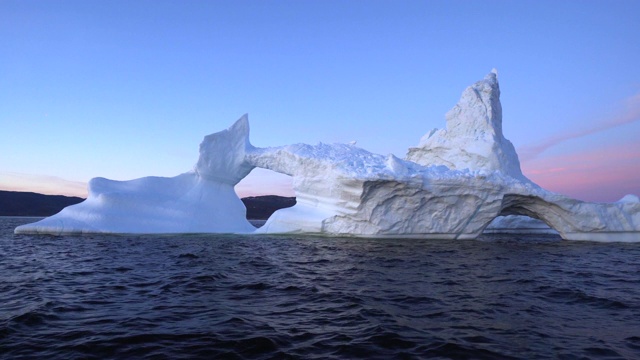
[(268, 297)]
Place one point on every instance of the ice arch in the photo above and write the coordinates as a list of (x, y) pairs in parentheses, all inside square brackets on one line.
[(518, 224), (533, 207)]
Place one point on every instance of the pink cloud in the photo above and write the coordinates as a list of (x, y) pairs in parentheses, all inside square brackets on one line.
[(597, 175), (265, 182), (630, 114), (43, 184)]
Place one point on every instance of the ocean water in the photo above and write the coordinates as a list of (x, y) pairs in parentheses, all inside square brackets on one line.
[(261, 297)]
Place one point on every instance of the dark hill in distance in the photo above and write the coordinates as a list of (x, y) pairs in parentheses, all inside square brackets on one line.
[(261, 207), (16, 203)]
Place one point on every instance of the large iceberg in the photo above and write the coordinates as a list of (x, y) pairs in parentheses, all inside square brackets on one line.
[(453, 185)]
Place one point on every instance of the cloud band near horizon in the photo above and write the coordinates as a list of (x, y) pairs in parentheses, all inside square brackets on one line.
[(630, 114)]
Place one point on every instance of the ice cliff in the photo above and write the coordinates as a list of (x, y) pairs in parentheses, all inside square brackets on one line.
[(452, 186)]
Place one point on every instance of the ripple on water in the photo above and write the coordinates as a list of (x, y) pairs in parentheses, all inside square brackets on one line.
[(330, 298)]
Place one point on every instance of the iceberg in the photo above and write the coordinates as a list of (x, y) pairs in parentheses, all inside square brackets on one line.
[(199, 201), (453, 185)]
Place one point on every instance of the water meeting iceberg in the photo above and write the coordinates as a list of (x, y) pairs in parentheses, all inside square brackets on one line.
[(457, 183)]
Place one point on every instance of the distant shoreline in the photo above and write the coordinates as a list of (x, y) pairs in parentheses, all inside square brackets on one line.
[(35, 205)]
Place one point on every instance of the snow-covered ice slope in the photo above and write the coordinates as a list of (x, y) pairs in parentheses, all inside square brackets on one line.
[(199, 201)]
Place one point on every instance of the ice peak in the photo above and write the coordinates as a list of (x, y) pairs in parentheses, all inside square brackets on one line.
[(241, 125), (629, 198), (473, 138), (222, 154)]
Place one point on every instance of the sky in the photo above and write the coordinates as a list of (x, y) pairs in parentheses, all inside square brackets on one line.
[(126, 89)]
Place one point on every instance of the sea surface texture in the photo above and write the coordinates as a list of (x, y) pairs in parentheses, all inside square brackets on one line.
[(259, 297)]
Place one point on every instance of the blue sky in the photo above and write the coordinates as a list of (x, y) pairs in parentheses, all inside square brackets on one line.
[(125, 89)]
